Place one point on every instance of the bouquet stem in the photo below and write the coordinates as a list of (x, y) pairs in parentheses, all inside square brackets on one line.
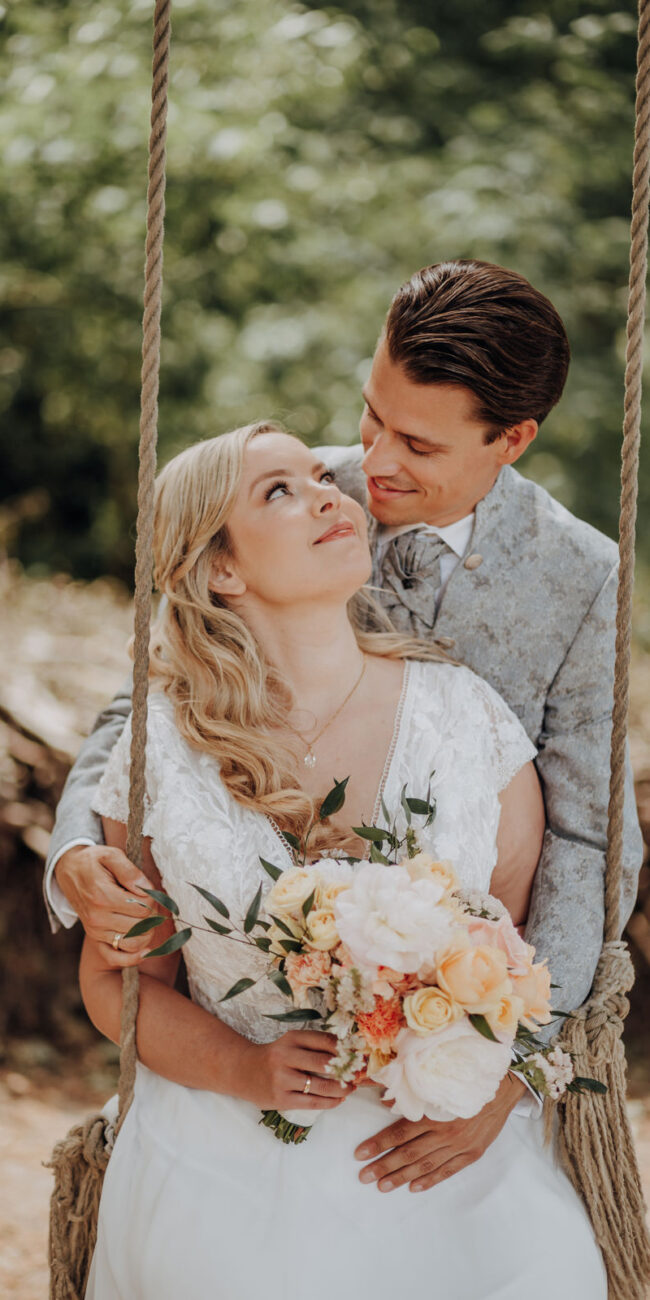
[(283, 1129)]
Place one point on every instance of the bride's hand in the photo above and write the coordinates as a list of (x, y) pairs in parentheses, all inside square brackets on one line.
[(274, 1075)]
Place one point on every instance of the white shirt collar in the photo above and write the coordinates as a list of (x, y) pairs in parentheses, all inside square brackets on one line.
[(457, 535)]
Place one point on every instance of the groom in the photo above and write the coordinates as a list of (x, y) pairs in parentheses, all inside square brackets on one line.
[(466, 551)]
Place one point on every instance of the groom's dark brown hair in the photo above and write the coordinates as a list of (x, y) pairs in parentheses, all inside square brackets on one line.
[(487, 329)]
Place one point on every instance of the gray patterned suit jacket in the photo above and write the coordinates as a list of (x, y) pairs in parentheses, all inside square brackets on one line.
[(536, 618)]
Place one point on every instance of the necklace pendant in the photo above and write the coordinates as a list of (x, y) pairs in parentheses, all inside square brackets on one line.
[(310, 759)]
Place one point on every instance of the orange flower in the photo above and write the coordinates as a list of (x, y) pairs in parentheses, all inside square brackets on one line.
[(381, 1026)]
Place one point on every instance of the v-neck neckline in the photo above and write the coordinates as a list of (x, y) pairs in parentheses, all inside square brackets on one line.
[(385, 774)]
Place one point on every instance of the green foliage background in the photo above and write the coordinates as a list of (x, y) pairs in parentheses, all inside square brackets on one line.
[(316, 157)]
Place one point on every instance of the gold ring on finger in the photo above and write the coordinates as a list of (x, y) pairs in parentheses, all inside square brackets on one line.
[(116, 941), (307, 1086)]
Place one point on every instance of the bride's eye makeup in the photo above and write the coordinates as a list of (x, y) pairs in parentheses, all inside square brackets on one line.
[(282, 483)]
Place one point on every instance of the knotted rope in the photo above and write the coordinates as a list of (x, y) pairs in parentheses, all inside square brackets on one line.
[(594, 1133), (80, 1160)]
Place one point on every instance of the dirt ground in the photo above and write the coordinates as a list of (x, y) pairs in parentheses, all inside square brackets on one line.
[(32, 1119)]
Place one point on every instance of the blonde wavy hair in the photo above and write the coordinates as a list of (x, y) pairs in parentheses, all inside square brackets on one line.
[(229, 700)]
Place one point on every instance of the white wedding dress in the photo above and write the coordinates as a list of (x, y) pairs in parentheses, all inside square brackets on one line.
[(199, 1201)]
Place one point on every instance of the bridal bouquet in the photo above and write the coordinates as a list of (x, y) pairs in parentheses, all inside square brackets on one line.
[(429, 989)]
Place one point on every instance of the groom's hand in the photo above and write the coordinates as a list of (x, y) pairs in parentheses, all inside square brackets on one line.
[(107, 893), (425, 1152)]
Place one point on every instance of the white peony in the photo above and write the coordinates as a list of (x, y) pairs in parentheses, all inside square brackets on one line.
[(447, 1075), (387, 919)]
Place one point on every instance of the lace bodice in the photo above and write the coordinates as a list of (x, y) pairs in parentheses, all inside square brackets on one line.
[(450, 723)]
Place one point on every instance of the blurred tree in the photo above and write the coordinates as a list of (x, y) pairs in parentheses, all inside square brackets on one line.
[(316, 157)]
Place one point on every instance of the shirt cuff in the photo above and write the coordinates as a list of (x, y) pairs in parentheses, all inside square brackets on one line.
[(59, 907)]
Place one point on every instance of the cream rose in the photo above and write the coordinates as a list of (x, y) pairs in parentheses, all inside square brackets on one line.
[(428, 1010), (449, 1075), (424, 867), (321, 929), (289, 892), (477, 977), (332, 877)]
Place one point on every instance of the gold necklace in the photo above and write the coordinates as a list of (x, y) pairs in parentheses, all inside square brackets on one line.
[(310, 758)]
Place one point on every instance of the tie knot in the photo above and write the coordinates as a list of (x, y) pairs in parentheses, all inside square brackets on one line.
[(416, 556)]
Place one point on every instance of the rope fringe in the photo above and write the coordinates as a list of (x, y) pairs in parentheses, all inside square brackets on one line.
[(594, 1142)]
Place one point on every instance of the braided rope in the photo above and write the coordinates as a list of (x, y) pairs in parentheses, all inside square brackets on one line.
[(594, 1137), (146, 477), (629, 471)]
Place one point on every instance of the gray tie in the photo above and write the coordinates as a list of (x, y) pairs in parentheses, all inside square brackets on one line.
[(409, 578)]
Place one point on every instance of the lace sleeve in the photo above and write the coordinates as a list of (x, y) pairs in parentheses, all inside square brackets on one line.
[(508, 747), (112, 795)]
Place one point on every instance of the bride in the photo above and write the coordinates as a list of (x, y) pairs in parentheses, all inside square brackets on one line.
[(264, 688)]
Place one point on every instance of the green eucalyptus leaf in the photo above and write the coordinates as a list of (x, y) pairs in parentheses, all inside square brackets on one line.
[(143, 927), (405, 805), (588, 1085), (252, 913), (218, 929), (420, 806), (308, 904), (263, 942), (479, 1022), (282, 925), (163, 899), (276, 977), (292, 840), (334, 799), (239, 987), (290, 945), (212, 900), (307, 1014), (372, 833), (273, 871), (171, 945), (376, 856)]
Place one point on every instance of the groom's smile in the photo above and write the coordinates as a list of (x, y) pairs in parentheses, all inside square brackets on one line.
[(427, 458)]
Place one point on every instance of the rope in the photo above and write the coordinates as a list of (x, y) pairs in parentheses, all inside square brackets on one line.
[(594, 1138), (80, 1160), (146, 477), (629, 471)]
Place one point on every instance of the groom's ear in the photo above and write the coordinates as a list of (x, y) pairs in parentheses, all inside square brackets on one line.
[(225, 581), (515, 440)]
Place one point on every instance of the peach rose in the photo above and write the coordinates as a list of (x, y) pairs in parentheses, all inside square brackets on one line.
[(535, 990), (305, 970), (430, 1009), (389, 981), (424, 867), (321, 929), (477, 977), (504, 1021), (502, 934)]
